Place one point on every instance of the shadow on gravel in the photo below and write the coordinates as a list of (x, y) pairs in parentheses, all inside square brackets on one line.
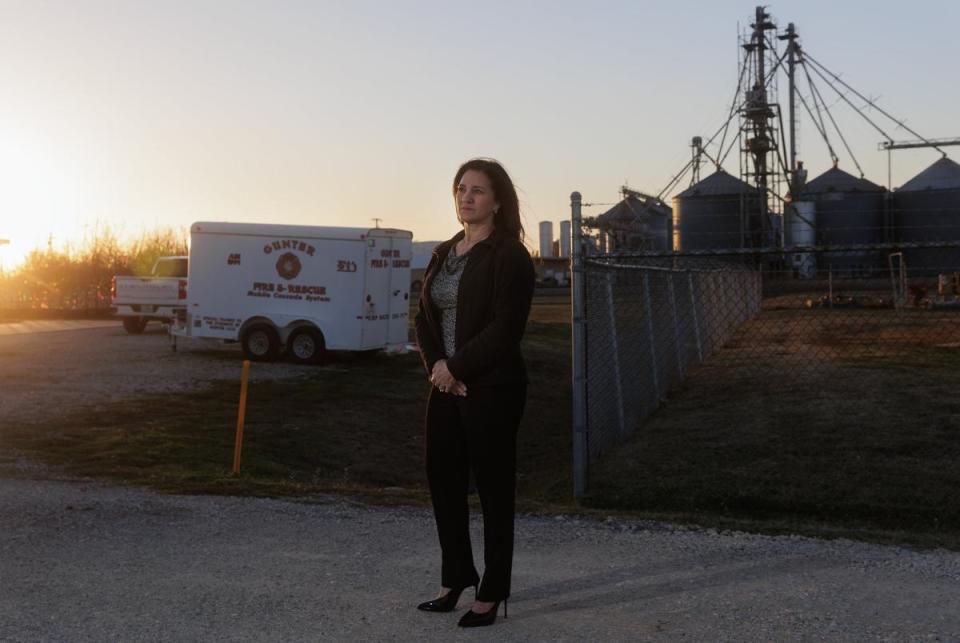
[(635, 584)]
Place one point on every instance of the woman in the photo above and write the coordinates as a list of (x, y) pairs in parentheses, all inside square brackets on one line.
[(473, 309)]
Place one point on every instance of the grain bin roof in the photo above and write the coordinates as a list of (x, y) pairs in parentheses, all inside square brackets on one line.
[(717, 184), (944, 174), (631, 208), (836, 180)]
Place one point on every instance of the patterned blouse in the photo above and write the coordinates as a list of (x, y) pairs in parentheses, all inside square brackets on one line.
[(443, 291)]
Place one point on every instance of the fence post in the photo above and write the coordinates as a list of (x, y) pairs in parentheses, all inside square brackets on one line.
[(617, 382), (579, 349), (241, 416), (676, 326), (709, 318), (758, 300), (749, 292), (648, 310), (696, 318)]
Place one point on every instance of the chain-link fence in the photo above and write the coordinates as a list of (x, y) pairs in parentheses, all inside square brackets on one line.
[(648, 324), (759, 320)]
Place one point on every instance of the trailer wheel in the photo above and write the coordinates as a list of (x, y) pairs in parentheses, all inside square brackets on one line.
[(134, 325), (260, 343), (306, 346)]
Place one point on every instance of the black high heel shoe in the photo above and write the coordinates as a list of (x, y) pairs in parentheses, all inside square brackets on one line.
[(472, 619), (447, 602)]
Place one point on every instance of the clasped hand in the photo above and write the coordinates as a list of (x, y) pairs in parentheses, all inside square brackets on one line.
[(445, 381)]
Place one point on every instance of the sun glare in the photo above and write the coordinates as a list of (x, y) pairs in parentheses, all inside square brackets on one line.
[(38, 199)]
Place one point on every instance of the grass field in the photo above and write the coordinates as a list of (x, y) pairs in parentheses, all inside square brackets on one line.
[(863, 446), (354, 424), (814, 420)]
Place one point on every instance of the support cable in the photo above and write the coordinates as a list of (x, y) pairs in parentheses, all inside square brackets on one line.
[(849, 102), (773, 72), (823, 134), (816, 103), (733, 109), (729, 149), (674, 180), (683, 171), (723, 128), (872, 104), (815, 90), (869, 102), (707, 154)]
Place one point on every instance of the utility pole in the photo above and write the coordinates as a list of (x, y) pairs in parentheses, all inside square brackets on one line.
[(376, 222), (793, 55)]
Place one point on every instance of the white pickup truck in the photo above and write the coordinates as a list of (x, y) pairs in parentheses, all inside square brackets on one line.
[(137, 300)]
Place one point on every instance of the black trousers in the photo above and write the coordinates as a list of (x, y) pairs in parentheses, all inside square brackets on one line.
[(477, 432)]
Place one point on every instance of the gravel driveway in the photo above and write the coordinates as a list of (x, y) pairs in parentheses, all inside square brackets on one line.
[(42, 374), (80, 561), (84, 561)]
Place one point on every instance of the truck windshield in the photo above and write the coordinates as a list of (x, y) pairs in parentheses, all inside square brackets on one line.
[(172, 268)]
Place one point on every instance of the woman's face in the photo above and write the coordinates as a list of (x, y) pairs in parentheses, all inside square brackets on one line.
[(475, 199)]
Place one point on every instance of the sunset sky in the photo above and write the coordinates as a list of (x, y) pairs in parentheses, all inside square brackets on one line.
[(134, 115)]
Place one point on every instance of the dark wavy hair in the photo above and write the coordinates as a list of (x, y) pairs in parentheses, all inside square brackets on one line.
[(507, 218)]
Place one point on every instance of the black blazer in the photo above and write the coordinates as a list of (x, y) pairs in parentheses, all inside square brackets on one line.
[(493, 303)]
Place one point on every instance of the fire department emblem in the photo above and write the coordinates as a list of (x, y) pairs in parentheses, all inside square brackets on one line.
[(288, 265)]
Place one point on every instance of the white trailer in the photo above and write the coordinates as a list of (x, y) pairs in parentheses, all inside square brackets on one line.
[(306, 288)]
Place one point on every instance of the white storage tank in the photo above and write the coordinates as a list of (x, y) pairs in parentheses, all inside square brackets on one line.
[(564, 239), (546, 238), (801, 231)]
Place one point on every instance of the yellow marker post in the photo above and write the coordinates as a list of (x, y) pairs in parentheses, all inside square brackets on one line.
[(241, 414)]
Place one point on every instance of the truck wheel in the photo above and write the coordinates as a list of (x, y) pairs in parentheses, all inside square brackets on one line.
[(306, 346), (134, 325), (260, 343)]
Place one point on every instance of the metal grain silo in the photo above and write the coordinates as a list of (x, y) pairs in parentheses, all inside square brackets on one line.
[(719, 212), (637, 223), (927, 209), (850, 211)]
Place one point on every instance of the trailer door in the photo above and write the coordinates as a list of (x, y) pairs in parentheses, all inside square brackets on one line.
[(376, 296), (401, 250)]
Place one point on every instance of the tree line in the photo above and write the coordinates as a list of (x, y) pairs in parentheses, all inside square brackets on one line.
[(78, 279)]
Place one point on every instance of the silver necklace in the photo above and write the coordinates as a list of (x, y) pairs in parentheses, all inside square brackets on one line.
[(454, 261)]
